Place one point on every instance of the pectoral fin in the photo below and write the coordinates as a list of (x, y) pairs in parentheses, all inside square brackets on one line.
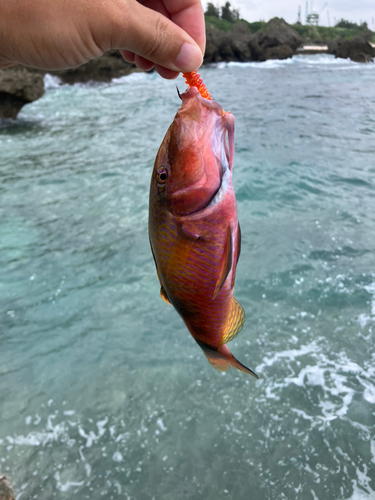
[(181, 250), (226, 263), (238, 252)]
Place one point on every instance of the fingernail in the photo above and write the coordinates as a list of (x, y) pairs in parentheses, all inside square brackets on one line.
[(189, 59)]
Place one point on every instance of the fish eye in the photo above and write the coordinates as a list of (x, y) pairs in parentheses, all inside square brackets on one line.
[(162, 176)]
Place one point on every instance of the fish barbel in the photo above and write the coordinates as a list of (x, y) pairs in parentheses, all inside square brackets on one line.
[(194, 232)]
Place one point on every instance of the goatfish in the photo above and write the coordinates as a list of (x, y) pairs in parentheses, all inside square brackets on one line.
[(194, 232)]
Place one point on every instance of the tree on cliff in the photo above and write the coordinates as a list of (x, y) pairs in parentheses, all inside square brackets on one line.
[(228, 14), (343, 23), (212, 10)]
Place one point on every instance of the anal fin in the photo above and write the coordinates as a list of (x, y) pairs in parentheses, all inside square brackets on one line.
[(235, 321)]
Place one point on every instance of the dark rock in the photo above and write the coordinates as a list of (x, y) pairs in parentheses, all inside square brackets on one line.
[(278, 52), (241, 42), (6, 488), (278, 41), (18, 86), (228, 46), (278, 32), (213, 42), (357, 49), (103, 69)]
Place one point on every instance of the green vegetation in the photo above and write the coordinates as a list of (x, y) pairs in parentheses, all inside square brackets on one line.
[(347, 24), (227, 14), (219, 24), (223, 25), (224, 18), (323, 33)]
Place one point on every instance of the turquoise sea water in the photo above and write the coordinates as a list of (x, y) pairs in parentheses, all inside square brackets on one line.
[(103, 392)]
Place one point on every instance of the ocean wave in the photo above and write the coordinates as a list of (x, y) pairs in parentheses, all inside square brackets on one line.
[(325, 60), (52, 82)]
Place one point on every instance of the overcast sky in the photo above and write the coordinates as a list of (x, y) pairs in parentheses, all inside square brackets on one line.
[(352, 10)]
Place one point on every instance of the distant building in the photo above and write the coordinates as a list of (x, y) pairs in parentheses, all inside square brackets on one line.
[(312, 19)]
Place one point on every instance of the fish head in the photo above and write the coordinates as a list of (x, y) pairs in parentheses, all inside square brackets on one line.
[(193, 156)]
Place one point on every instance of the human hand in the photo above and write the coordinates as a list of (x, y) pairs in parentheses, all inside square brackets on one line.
[(55, 34)]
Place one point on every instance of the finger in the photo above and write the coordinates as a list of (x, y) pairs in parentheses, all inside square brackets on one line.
[(187, 14), (128, 56), (143, 63), (166, 73), (154, 37)]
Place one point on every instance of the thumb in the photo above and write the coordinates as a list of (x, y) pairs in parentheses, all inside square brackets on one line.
[(153, 36)]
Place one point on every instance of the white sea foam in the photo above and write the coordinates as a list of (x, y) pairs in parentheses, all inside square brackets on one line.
[(51, 82), (365, 318), (361, 486), (324, 60), (331, 376), (68, 484), (135, 77)]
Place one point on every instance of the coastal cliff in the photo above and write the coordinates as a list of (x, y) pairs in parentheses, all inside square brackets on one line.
[(273, 40)]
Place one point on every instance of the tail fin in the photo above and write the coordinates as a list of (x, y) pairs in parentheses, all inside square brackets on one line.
[(223, 359)]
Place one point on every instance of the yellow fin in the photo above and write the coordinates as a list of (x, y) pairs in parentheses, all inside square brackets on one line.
[(226, 263), (235, 321), (164, 296)]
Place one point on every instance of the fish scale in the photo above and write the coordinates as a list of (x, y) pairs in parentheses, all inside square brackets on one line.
[(193, 226)]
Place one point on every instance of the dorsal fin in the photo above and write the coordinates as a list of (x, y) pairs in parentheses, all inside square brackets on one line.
[(235, 321), (226, 263)]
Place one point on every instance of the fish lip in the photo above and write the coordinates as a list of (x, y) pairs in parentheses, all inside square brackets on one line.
[(192, 92)]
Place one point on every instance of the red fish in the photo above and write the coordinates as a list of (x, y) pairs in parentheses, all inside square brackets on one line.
[(194, 232)]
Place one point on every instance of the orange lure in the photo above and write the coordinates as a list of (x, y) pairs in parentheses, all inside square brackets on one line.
[(193, 227), (194, 79)]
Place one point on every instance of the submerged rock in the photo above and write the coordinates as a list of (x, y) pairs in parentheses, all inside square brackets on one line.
[(6, 488), (358, 49), (18, 86)]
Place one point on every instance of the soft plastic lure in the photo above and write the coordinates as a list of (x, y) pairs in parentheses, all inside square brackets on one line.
[(194, 79)]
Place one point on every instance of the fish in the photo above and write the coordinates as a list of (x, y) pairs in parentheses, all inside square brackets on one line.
[(194, 231)]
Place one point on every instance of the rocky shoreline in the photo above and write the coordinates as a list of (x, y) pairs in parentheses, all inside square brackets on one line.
[(6, 488), (20, 85)]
